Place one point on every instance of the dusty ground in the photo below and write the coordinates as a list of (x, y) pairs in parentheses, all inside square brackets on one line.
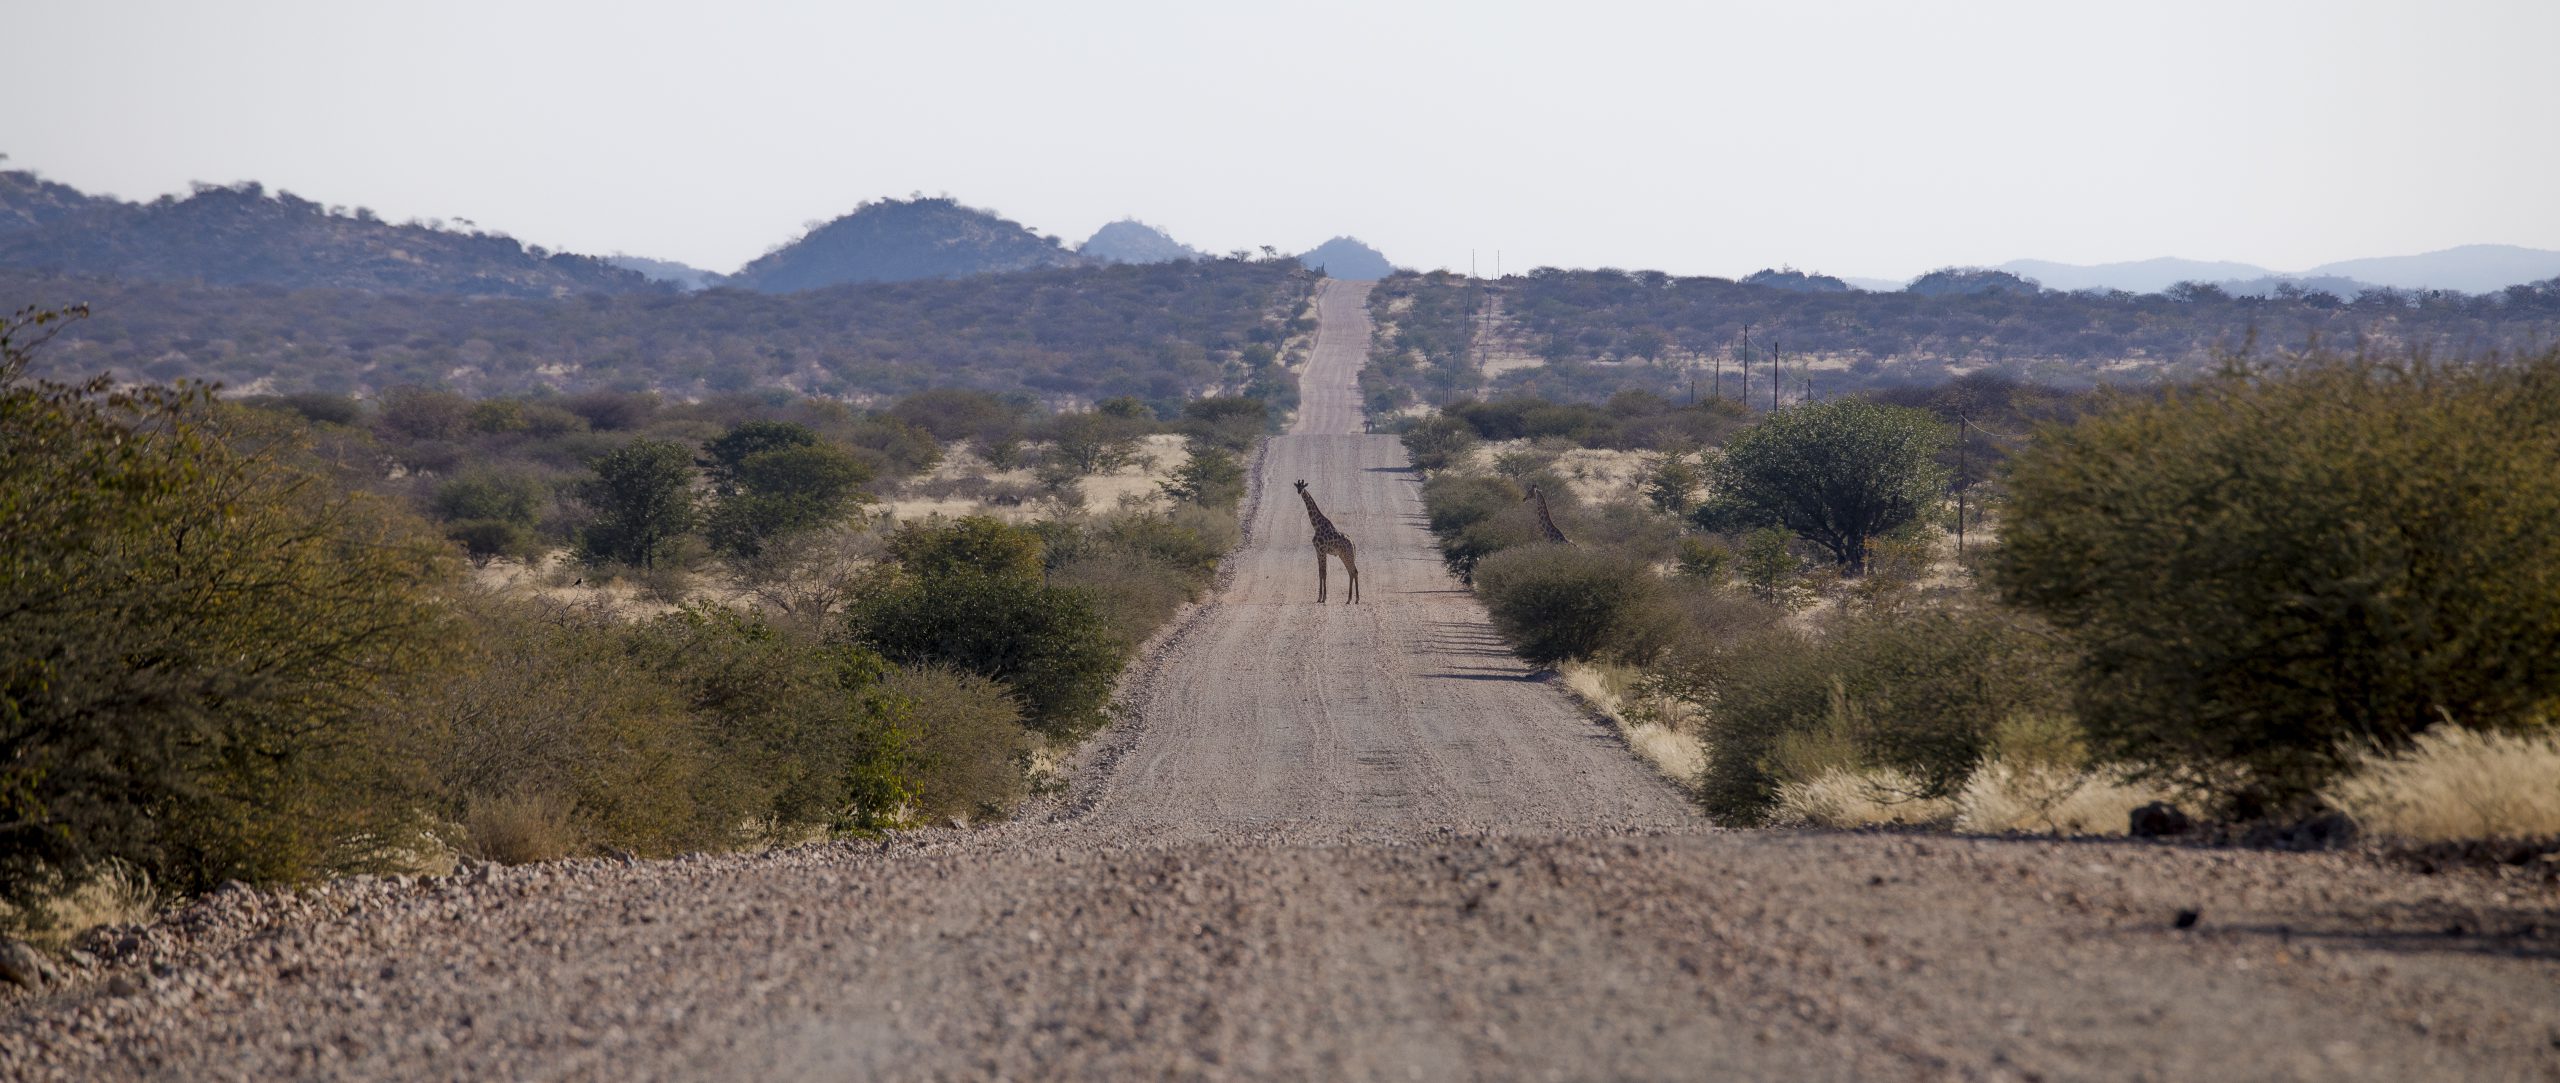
[(1345, 842)]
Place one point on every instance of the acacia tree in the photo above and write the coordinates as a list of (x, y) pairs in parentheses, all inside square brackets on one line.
[(642, 493), (1837, 474)]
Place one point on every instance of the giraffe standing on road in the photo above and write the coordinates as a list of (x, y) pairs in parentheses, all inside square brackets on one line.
[(1546, 522), (1330, 542)]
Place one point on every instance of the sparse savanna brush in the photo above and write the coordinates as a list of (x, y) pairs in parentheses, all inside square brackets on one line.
[(2281, 569)]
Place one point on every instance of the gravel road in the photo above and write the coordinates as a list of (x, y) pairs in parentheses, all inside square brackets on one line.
[(1344, 842)]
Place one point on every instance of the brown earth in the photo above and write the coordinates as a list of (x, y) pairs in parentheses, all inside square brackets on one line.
[(1345, 842)]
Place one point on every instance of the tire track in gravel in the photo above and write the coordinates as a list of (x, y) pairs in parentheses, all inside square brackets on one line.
[(1400, 715)]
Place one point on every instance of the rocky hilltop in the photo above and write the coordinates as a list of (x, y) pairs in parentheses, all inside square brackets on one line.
[(243, 235), (1347, 257), (1131, 241), (894, 240)]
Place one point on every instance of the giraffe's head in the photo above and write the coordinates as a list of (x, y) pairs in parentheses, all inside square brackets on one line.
[(1533, 493), (1302, 486)]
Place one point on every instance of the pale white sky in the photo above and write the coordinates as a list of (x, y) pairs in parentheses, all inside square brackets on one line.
[(1877, 139)]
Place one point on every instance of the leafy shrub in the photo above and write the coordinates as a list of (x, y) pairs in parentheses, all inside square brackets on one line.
[(197, 633), (1436, 442), (970, 755), (487, 538), (424, 414), (502, 496), (1226, 422), (781, 491), (1834, 473), (1133, 594), (1917, 697), (1466, 513), (955, 413), (964, 598), (974, 544), (2274, 572), (1557, 603), (706, 727), (1212, 477), (642, 495)]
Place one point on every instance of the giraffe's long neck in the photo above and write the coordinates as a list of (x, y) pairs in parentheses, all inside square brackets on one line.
[(1323, 525), (1546, 521)]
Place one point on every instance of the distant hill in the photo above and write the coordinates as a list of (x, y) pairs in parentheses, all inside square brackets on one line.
[(241, 235), (681, 276), (30, 202), (1131, 241), (2472, 268), (1792, 279), (895, 240), (2135, 276), (1346, 257), (1970, 282), (2272, 285)]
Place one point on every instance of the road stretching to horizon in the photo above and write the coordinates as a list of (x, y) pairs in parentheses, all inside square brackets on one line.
[(1347, 842)]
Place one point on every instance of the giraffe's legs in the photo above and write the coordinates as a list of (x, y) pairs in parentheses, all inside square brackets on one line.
[(1351, 596), (1319, 577)]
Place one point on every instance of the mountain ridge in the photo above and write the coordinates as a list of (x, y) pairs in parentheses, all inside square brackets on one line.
[(241, 234)]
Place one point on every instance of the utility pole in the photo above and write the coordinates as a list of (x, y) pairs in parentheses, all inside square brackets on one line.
[(1964, 426), (1746, 367), (1777, 373)]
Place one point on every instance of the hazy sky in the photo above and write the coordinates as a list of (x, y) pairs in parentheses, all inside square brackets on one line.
[(1878, 139)]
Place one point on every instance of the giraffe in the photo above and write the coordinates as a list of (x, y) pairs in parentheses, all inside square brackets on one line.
[(1330, 541), (1546, 522)]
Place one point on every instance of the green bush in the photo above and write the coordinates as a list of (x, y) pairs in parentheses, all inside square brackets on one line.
[(973, 544), (1834, 473), (1921, 694), (486, 538), (197, 632), (781, 491), (502, 496), (1213, 477), (970, 756), (707, 727), (1436, 442), (1473, 517), (642, 495), (1557, 603), (1050, 645), (2275, 571)]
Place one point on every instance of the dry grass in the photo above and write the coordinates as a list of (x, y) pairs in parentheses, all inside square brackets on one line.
[(2000, 798), (2459, 784), (1596, 475), (119, 895), (1840, 797), (1679, 755), (519, 828)]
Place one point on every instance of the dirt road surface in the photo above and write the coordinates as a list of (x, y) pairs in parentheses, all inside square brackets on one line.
[(1353, 842)]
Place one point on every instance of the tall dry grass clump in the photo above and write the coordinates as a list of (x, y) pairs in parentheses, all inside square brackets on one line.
[(1841, 797), (2457, 783), (2002, 798), (1650, 723), (517, 828)]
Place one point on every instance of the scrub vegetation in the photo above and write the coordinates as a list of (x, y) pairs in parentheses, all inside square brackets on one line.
[(2321, 583), (280, 637)]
